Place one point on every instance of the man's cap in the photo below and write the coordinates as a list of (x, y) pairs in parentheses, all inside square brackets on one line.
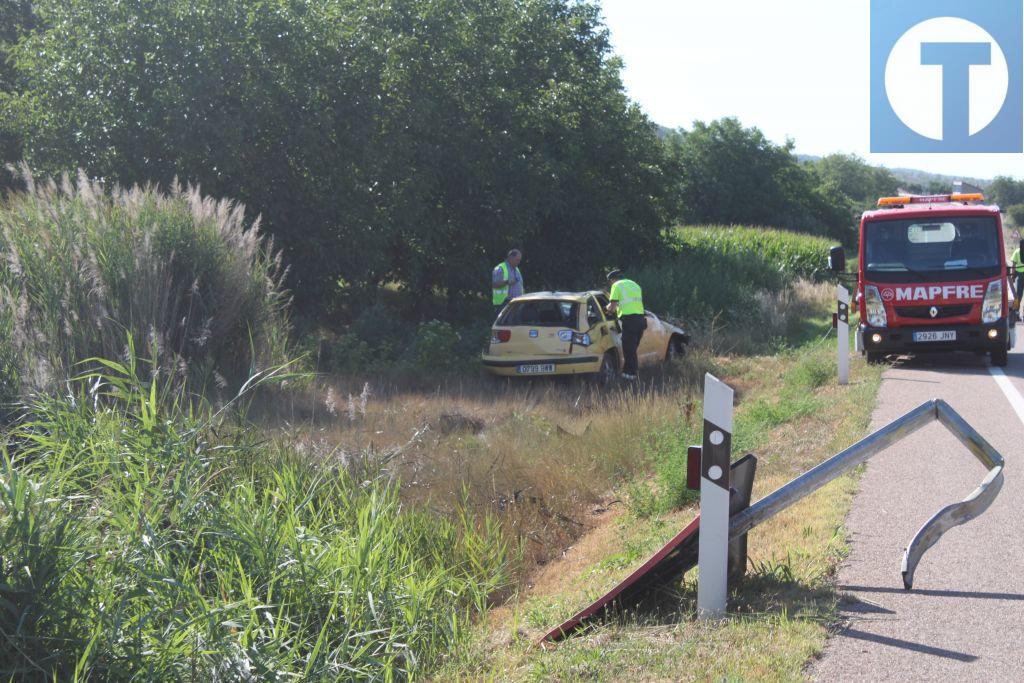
[(613, 274)]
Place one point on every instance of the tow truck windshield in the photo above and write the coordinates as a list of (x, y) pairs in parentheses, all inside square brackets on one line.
[(945, 249)]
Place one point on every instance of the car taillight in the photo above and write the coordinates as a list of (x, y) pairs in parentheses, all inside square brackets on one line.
[(874, 307), (992, 307), (500, 336)]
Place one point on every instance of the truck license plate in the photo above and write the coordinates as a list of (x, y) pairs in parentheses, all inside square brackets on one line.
[(949, 335), (536, 369)]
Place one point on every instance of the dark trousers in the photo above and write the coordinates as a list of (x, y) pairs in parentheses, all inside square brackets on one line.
[(633, 327), (1018, 284)]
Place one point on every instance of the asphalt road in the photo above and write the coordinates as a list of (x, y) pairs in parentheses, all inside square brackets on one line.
[(964, 619)]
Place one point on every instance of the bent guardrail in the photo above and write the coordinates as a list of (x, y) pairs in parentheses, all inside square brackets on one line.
[(725, 519), (944, 520)]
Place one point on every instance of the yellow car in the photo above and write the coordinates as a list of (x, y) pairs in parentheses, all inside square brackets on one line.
[(566, 333)]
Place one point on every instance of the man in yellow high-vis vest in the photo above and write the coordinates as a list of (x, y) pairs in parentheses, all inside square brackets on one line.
[(1018, 273), (506, 281), (627, 303)]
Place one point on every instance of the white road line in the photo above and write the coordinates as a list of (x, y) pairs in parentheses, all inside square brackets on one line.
[(1010, 391)]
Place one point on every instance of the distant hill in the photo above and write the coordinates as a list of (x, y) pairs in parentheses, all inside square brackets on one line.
[(914, 176), (910, 176)]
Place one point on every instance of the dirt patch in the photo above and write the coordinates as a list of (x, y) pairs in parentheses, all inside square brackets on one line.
[(454, 421)]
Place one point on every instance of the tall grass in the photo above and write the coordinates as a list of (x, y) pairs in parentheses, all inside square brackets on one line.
[(718, 272), (144, 539), (82, 264)]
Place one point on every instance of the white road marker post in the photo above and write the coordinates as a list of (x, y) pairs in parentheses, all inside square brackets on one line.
[(843, 332), (716, 457)]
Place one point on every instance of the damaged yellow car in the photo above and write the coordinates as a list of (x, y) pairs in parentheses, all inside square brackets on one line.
[(569, 333)]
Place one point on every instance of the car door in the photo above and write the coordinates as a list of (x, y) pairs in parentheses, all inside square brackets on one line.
[(654, 342), (605, 332)]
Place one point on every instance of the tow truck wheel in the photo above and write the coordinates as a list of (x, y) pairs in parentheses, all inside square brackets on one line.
[(999, 358)]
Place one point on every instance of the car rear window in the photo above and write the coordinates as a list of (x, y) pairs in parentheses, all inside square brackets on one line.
[(541, 313)]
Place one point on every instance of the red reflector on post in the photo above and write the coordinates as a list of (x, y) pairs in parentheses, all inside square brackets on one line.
[(693, 468)]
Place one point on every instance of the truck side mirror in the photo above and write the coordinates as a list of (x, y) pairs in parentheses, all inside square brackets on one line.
[(837, 260)]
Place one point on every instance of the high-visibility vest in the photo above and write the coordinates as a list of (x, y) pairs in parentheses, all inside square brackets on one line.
[(1017, 264), (629, 297), (500, 294)]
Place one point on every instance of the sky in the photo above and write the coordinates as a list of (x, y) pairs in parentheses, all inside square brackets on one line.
[(794, 68)]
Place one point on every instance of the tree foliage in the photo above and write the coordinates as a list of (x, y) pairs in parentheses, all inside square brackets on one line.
[(17, 18), (1016, 212), (1006, 191), (728, 174), (856, 179), (409, 141)]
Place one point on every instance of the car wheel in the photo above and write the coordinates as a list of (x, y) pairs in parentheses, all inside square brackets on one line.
[(609, 371), (875, 358), (674, 351), (1000, 357)]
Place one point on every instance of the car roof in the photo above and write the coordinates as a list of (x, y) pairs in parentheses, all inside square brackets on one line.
[(561, 296), (926, 210)]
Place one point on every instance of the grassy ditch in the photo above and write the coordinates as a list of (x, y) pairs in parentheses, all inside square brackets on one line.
[(792, 415), (543, 456)]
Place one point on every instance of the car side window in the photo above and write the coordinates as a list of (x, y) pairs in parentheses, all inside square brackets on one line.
[(602, 301)]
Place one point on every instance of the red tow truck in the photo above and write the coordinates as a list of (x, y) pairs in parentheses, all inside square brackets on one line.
[(932, 277)]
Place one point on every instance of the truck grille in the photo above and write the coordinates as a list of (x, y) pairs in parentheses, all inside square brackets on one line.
[(924, 312)]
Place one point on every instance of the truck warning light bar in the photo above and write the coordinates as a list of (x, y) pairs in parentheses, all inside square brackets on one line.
[(930, 199)]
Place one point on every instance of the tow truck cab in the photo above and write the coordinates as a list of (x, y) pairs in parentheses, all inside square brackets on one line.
[(932, 277)]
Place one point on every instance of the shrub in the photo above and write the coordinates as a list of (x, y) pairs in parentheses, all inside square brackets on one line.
[(436, 346), (1017, 214), (382, 328), (182, 274), (143, 541)]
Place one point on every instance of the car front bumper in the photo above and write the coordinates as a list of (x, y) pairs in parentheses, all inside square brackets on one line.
[(563, 365), (968, 338)]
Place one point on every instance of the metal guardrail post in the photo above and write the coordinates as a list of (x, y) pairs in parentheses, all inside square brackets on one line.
[(947, 518)]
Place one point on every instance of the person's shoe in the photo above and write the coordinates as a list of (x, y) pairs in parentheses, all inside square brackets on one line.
[(628, 377)]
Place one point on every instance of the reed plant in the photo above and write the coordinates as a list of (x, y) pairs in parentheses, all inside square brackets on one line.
[(188, 277), (143, 537)]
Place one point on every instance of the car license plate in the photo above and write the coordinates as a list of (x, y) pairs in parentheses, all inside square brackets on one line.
[(536, 369), (949, 335)]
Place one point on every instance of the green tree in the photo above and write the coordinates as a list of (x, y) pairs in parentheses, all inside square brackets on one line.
[(17, 18), (1006, 191), (408, 141), (728, 174), (1016, 212), (857, 179)]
